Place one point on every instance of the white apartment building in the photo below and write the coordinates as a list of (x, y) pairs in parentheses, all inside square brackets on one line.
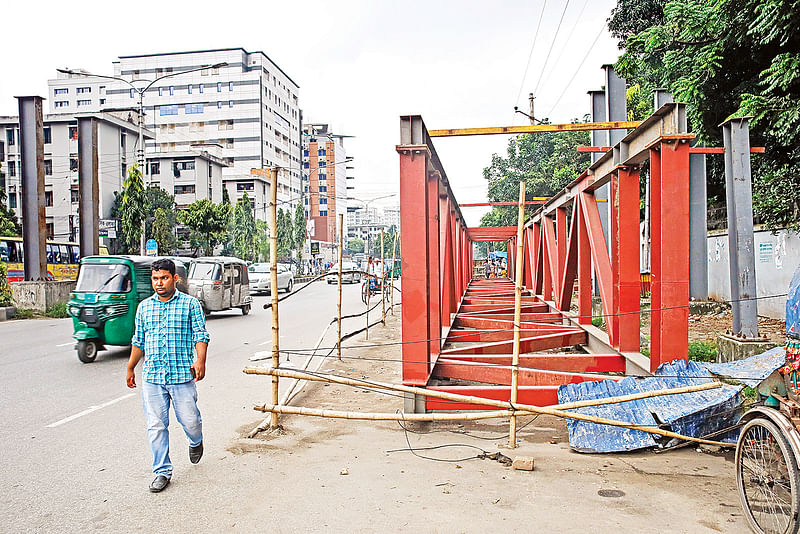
[(116, 147), (249, 106), (189, 175)]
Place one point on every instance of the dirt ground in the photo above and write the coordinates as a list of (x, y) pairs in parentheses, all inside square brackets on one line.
[(352, 476)]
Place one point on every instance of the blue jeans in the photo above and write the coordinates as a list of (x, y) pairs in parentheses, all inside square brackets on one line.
[(156, 399)]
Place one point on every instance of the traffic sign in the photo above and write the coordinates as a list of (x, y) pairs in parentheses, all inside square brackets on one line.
[(151, 247)]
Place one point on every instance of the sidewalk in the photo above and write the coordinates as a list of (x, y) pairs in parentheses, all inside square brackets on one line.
[(296, 481)]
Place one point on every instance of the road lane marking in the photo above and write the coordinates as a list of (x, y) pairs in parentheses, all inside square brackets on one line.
[(89, 410), (65, 344)]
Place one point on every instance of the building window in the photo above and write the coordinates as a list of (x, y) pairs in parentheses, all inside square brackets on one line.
[(73, 133), (219, 87), (73, 164), (189, 87), (84, 103), (61, 91), (184, 165), (183, 189), (74, 196), (160, 91), (230, 86), (83, 90), (168, 110), (323, 213), (48, 138), (219, 105), (12, 201), (155, 167), (102, 89), (244, 186), (48, 167), (323, 163), (61, 103), (102, 101), (225, 125), (124, 169), (194, 108), (131, 92), (323, 189), (12, 167), (171, 90), (50, 231), (200, 87), (322, 176), (10, 136), (122, 140), (323, 200), (230, 103), (48, 198), (321, 152)]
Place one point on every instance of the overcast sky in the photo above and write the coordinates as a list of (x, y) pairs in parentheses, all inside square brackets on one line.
[(359, 64)]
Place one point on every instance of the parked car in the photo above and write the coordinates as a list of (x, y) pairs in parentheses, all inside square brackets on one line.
[(351, 277), (260, 278), (220, 283)]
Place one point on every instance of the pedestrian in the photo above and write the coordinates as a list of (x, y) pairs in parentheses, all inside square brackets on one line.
[(487, 269), (169, 324)]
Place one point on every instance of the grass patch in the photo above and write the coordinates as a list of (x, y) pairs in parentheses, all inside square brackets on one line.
[(57, 311), (703, 351), (597, 321), (24, 313)]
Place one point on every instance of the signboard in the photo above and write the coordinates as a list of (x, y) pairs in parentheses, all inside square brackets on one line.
[(765, 252), (107, 228), (314, 248), (151, 248)]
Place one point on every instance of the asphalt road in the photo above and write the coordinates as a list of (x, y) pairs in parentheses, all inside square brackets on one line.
[(73, 435)]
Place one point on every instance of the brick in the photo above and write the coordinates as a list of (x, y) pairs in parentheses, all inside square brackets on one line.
[(523, 463)]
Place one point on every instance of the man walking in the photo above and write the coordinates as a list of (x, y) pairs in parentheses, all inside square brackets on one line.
[(169, 324)]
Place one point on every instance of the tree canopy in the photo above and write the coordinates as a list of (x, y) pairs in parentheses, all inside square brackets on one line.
[(208, 223), (726, 58), (243, 230), (133, 208)]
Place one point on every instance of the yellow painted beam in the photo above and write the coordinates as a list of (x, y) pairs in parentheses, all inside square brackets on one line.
[(531, 128)]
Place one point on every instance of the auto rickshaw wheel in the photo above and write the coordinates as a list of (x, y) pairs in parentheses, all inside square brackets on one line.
[(87, 350), (245, 309), (289, 286)]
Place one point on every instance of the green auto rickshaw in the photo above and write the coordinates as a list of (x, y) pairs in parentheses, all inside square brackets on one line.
[(103, 304)]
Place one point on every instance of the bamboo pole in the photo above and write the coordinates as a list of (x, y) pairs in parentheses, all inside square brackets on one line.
[(512, 422), (339, 302), (386, 416), (383, 283), (520, 409), (369, 293), (394, 258), (273, 289)]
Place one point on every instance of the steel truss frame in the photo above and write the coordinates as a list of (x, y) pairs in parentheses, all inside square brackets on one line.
[(455, 328)]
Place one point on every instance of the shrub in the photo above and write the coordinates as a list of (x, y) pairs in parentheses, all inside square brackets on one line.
[(6, 298), (703, 351), (57, 311)]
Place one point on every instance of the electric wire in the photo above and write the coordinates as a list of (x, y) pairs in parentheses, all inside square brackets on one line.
[(566, 44), (530, 54), (550, 50)]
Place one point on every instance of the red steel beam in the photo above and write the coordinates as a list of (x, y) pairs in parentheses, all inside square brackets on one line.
[(625, 246), (528, 344), (534, 395), (527, 203), (489, 374), (567, 362), (692, 150), (482, 336)]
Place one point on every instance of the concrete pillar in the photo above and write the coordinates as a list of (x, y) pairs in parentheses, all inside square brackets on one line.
[(31, 148), (739, 200), (89, 191), (698, 228)]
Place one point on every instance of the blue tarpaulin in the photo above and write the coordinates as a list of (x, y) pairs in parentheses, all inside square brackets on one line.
[(694, 414)]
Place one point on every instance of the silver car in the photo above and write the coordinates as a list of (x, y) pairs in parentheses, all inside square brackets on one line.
[(352, 277), (260, 278)]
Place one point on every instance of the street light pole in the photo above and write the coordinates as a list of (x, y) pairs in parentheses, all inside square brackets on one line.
[(141, 91)]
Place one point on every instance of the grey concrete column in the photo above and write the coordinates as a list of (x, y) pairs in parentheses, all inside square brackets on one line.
[(739, 200), (661, 97), (88, 187), (616, 103), (597, 104), (31, 148), (698, 228)]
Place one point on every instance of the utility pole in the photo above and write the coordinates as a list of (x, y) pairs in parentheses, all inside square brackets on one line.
[(530, 108), (339, 302), (273, 288)]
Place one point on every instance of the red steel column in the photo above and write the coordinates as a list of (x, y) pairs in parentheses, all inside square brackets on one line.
[(435, 307), (625, 243), (536, 259), (584, 267), (561, 246), (414, 265), (670, 254)]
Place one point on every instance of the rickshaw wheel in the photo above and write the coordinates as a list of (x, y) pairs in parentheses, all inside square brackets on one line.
[(365, 292), (245, 309), (768, 478), (87, 350)]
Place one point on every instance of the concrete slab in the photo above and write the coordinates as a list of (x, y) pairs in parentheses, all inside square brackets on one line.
[(730, 348)]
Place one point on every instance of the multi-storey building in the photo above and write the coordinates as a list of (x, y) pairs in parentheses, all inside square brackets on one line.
[(78, 92), (190, 175), (249, 106), (116, 140), (324, 181)]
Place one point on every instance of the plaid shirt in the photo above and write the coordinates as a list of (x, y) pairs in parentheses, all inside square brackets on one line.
[(167, 332)]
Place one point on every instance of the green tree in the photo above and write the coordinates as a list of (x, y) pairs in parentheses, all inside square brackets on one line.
[(729, 58), (8, 219), (158, 198), (356, 245), (163, 231), (299, 230), (285, 234), (208, 223), (133, 209), (388, 241), (226, 199), (243, 230), (262, 240)]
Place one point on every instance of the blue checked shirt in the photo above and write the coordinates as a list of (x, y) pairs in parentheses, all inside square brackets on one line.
[(167, 332)]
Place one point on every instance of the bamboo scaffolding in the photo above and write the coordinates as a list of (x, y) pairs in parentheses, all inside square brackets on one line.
[(273, 268), (339, 302), (519, 409), (383, 283), (512, 421), (394, 258)]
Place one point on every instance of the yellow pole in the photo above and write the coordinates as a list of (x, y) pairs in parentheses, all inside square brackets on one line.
[(383, 283), (273, 288), (339, 304), (512, 432), (394, 259)]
